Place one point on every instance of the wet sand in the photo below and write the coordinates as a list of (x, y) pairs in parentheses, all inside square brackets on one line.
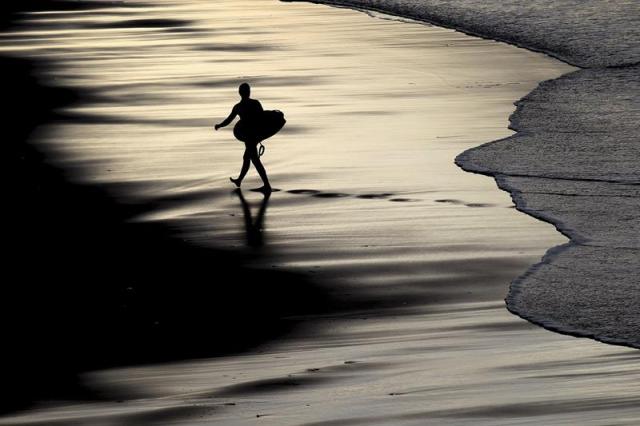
[(371, 208), (573, 161)]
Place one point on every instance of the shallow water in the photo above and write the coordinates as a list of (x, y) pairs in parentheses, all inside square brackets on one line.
[(370, 205)]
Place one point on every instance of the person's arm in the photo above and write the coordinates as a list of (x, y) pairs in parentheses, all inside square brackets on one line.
[(229, 119)]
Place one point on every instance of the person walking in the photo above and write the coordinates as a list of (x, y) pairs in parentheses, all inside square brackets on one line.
[(248, 130)]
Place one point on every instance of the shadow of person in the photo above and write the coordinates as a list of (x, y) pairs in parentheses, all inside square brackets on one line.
[(254, 228)]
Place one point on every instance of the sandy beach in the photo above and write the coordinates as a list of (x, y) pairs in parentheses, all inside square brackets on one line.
[(573, 161), (388, 263)]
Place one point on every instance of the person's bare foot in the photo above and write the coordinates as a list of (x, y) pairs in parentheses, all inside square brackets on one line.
[(236, 182)]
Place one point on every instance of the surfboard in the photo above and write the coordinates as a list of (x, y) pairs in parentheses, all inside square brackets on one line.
[(269, 124)]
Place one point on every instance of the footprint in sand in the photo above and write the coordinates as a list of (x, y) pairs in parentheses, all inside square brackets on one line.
[(368, 196), (375, 196), (460, 202)]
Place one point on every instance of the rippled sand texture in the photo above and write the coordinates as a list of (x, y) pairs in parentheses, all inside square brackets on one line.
[(370, 205), (578, 148), (475, 365), (589, 34)]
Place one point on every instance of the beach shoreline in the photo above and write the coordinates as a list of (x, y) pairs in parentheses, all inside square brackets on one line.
[(522, 300), (437, 345)]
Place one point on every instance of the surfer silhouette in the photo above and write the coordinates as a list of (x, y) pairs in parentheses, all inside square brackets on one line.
[(255, 125)]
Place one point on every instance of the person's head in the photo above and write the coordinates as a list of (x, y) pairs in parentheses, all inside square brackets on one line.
[(244, 90)]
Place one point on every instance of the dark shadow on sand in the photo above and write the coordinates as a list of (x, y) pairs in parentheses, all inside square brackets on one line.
[(140, 23), (9, 9), (370, 196), (87, 288)]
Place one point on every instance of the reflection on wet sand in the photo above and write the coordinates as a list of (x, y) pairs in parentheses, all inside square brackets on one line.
[(253, 227)]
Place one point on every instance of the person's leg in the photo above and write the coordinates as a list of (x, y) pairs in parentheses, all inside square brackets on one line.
[(255, 159), (245, 166)]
